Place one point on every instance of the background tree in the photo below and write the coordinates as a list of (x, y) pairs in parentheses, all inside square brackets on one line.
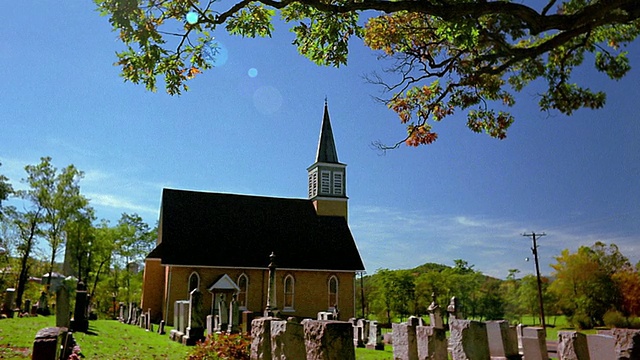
[(383, 297), (447, 55), (27, 231), (628, 282), (80, 236), (5, 190), (58, 195), (135, 239), (584, 286), (102, 248)]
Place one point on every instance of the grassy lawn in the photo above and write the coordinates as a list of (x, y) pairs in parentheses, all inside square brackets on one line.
[(111, 340), (106, 340)]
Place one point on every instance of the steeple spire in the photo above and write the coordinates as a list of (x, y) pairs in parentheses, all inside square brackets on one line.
[(326, 145), (327, 176)]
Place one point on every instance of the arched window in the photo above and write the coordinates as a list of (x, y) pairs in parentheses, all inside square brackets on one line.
[(243, 284), (289, 291), (333, 292), (194, 281)]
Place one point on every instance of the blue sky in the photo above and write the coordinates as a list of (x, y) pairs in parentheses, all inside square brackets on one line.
[(467, 196)]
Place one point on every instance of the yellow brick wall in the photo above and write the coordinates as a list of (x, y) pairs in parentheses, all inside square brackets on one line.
[(153, 288), (311, 290)]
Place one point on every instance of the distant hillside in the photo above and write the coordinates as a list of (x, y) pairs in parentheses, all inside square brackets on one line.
[(429, 267)]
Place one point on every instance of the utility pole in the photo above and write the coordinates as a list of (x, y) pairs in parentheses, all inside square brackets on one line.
[(534, 249), (362, 292)]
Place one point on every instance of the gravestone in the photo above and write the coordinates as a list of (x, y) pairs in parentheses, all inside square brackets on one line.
[(27, 307), (247, 318), (468, 340), (405, 345), (435, 313), (572, 345), (627, 343), (519, 330), (48, 342), (534, 343), (328, 340), (176, 313), (375, 337), (80, 321), (503, 342), (601, 346), (43, 304), (223, 314), (122, 310), (7, 305), (195, 330), (209, 325), (325, 315), (364, 324), (454, 308), (183, 317), (234, 316), (431, 343), (287, 340), (62, 307), (161, 328), (261, 338)]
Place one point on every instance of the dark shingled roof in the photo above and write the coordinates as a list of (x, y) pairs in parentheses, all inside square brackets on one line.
[(228, 230)]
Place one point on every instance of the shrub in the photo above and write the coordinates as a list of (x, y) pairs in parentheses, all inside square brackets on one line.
[(581, 321), (634, 322), (222, 347), (615, 319)]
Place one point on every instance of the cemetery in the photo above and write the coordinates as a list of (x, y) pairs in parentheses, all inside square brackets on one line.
[(296, 303)]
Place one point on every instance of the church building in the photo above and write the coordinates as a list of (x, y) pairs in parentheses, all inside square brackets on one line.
[(220, 243)]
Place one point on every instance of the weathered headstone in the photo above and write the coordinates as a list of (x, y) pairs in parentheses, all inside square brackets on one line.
[(223, 314), (627, 343), (468, 340), (375, 337), (7, 305), (572, 345), (534, 343), (435, 313), (405, 345), (234, 316), (364, 324), (161, 328), (261, 338), (43, 304), (80, 321), (431, 343), (52, 343), (27, 306), (209, 325), (287, 340), (325, 315), (503, 342), (247, 318), (176, 313), (122, 310), (62, 308), (453, 309), (601, 346), (328, 340), (519, 331), (195, 330)]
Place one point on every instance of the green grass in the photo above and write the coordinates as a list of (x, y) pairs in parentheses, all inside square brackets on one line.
[(105, 340), (111, 340), (365, 354)]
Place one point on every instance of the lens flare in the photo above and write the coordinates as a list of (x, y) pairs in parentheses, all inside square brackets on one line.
[(192, 17)]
